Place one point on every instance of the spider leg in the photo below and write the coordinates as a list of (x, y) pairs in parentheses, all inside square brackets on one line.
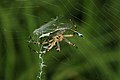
[(43, 48), (47, 47), (74, 26), (43, 42), (70, 43), (58, 46), (76, 32), (47, 41), (70, 35), (50, 46)]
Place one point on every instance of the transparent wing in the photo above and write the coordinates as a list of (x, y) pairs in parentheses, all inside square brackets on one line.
[(51, 26), (45, 28)]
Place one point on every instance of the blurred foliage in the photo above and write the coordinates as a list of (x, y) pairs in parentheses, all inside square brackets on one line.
[(97, 56)]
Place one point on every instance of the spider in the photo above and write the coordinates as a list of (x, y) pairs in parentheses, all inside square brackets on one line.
[(52, 33)]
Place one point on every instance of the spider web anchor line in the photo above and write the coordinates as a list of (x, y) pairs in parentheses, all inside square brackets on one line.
[(41, 66), (41, 63)]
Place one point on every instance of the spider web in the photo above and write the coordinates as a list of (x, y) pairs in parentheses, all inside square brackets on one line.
[(99, 24)]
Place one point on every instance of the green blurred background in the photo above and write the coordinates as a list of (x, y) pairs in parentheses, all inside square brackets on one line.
[(97, 56)]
